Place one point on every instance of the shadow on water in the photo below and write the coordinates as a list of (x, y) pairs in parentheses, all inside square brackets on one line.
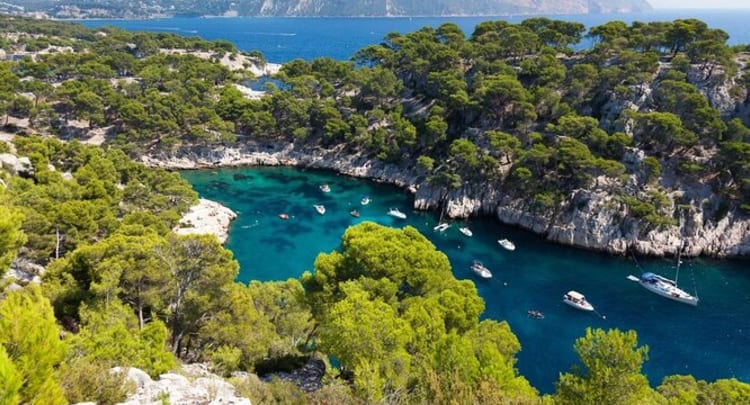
[(279, 244), (708, 341)]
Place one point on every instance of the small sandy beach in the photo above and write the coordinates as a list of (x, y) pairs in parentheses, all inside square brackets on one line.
[(207, 217)]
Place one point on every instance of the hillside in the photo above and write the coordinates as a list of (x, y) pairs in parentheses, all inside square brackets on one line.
[(640, 143), (316, 8)]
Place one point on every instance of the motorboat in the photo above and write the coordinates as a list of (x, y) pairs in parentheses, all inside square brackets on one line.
[(325, 188), (535, 314), (284, 215), (354, 213), (479, 269), (365, 200), (394, 212), (320, 208), (506, 244), (441, 227), (577, 300), (665, 287), (466, 231)]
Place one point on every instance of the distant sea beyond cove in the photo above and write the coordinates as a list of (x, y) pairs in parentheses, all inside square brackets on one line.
[(283, 39)]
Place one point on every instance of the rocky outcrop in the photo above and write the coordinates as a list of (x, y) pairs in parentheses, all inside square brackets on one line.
[(175, 388), (710, 81), (15, 164), (309, 378), (591, 219), (22, 273), (206, 217)]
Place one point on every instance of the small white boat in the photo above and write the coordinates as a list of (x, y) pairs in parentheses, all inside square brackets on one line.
[(479, 269), (466, 231), (535, 314), (506, 244), (394, 212), (441, 227), (320, 208), (325, 188), (577, 300), (365, 200), (664, 287)]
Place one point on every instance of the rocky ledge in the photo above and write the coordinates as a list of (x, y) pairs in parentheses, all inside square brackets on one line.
[(206, 217), (591, 219), (175, 388)]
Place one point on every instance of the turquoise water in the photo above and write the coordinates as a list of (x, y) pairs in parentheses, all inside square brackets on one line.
[(709, 341), (284, 39)]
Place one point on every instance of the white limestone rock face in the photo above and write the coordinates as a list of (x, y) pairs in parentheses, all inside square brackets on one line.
[(591, 219), (15, 164), (178, 389), (588, 223), (207, 217), (22, 273), (710, 81)]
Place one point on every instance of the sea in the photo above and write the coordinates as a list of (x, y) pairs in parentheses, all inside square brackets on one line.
[(710, 341), (283, 39)]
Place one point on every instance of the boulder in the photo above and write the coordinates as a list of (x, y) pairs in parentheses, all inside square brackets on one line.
[(15, 164)]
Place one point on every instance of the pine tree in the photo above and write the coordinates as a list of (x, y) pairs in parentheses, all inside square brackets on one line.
[(31, 339)]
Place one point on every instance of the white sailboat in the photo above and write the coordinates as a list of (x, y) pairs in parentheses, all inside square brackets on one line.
[(441, 227), (320, 208), (665, 287), (466, 231)]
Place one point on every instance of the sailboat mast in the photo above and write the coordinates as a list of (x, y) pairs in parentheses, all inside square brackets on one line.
[(679, 253)]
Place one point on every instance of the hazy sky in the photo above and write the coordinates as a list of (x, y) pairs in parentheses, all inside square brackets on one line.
[(700, 3)]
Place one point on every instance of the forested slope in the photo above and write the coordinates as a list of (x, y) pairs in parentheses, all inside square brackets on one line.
[(651, 114), (639, 143)]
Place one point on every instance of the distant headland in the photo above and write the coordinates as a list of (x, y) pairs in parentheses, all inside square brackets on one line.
[(80, 9)]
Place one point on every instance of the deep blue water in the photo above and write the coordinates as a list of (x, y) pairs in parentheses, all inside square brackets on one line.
[(709, 341), (284, 39)]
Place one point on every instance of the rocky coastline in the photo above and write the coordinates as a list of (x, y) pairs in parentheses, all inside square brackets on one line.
[(590, 219)]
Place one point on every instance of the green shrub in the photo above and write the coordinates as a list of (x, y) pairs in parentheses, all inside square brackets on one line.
[(85, 381), (226, 359), (276, 392)]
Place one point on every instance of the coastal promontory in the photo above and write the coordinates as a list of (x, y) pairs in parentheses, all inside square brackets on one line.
[(316, 8)]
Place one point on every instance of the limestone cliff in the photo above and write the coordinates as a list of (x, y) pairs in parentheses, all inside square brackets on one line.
[(591, 219), (434, 7)]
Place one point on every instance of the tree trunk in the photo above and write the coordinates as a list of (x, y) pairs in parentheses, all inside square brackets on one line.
[(57, 243), (175, 324), (140, 317)]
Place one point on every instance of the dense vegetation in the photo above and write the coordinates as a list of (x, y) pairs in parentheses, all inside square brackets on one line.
[(128, 292), (510, 107), (503, 107)]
